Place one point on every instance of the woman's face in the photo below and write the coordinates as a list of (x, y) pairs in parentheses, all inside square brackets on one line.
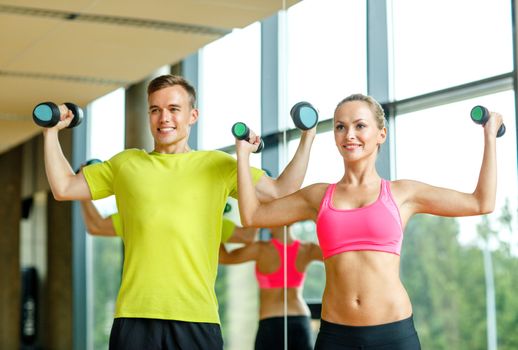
[(356, 131)]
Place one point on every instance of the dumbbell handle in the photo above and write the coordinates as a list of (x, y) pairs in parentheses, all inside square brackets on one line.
[(63, 109), (242, 132), (480, 115)]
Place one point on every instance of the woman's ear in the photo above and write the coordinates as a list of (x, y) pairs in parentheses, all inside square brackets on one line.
[(382, 137)]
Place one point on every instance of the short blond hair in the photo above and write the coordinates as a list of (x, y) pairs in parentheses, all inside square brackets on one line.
[(168, 80)]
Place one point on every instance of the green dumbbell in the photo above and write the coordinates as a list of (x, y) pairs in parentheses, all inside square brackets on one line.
[(47, 114), (304, 115), (227, 209), (480, 115), (242, 132)]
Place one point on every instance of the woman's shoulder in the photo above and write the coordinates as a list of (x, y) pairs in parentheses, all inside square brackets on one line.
[(405, 190), (316, 187), (406, 184), (315, 191)]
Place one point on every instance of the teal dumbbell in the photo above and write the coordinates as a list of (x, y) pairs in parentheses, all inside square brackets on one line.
[(88, 162), (47, 114), (242, 132), (480, 115), (304, 115)]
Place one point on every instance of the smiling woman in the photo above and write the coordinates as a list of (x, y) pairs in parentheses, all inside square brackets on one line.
[(360, 223)]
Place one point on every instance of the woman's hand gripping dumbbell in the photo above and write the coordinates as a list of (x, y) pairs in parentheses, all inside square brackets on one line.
[(480, 115), (49, 114), (303, 114)]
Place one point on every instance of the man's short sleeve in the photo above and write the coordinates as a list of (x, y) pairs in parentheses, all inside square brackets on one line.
[(99, 177)]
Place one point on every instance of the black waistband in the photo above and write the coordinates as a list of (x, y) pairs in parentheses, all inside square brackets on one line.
[(369, 334)]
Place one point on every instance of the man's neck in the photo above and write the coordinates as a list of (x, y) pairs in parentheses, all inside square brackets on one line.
[(173, 149)]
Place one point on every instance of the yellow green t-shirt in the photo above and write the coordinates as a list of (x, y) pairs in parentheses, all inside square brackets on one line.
[(117, 223), (170, 209), (227, 227)]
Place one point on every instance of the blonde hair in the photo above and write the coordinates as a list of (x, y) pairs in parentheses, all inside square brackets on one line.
[(377, 110)]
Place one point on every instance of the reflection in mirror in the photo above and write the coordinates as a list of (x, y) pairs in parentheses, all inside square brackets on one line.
[(281, 261)]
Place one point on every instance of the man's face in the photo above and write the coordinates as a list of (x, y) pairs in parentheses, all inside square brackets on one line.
[(170, 118)]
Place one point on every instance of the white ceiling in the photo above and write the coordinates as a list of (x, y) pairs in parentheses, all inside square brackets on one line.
[(64, 50)]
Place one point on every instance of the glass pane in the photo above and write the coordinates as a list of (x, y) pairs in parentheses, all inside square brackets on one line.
[(104, 254), (230, 91), (443, 43), (238, 306), (230, 88), (325, 163), (451, 265), (326, 53)]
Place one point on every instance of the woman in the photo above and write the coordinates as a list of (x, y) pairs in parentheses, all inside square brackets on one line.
[(272, 258), (360, 223)]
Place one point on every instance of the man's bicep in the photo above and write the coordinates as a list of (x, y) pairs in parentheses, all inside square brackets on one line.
[(79, 188)]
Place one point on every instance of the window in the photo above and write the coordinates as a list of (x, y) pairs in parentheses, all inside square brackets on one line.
[(455, 268), (439, 44), (230, 89), (104, 254), (326, 56)]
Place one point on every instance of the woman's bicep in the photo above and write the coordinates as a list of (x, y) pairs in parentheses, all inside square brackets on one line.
[(428, 199), (265, 189), (284, 211)]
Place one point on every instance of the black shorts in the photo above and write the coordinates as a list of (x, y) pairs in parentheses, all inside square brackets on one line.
[(151, 334), (399, 335), (270, 334)]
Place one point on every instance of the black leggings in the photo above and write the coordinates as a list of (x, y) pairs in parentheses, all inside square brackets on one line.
[(270, 334), (399, 335)]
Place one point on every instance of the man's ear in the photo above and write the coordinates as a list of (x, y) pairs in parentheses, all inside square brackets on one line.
[(194, 116)]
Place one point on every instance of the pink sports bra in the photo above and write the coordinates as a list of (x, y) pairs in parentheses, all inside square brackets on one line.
[(376, 226), (276, 279)]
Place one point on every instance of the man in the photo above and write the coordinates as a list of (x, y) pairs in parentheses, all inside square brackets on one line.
[(170, 203)]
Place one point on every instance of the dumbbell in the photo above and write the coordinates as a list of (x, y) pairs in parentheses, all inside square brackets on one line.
[(227, 209), (304, 115), (242, 132), (47, 114), (88, 162), (480, 115)]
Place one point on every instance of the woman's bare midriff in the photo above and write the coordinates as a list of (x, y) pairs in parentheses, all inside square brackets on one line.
[(272, 303), (363, 288)]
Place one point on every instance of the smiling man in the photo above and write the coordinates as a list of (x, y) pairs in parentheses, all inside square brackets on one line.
[(170, 202)]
